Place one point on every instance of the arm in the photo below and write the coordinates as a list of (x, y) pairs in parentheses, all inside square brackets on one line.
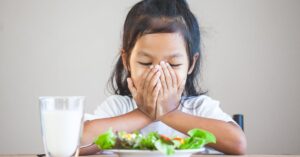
[(135, 119), (230, 138), (145, 96)]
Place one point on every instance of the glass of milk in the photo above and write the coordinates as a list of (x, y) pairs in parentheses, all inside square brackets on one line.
[(61, 119)]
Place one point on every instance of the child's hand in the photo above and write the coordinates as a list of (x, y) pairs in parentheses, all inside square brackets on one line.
[(170, 93), (146, 93)]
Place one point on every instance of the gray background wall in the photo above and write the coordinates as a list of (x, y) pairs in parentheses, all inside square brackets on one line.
[(251, 53)]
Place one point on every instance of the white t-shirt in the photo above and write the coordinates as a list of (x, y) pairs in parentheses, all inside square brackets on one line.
[(202, 106)]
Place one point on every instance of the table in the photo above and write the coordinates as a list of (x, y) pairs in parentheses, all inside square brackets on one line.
[(200, 155)]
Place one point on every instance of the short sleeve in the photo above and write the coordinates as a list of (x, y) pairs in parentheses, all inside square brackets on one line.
[(211, 109), (114, 105), (204, 106)]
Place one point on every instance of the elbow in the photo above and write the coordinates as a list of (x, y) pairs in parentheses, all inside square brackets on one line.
[(240, 149), (240, 146), (87, 136)]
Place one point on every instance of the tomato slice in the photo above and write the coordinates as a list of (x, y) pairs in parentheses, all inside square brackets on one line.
[(181, 140), (165, 138)]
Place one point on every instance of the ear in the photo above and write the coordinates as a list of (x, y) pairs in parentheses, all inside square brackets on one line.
[(195, 58), (124, 60)]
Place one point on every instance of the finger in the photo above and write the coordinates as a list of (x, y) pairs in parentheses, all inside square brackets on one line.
[(151, 75), (167, 74), (144, 76), (131, 87), (181, 87), (154, 81), (173, 76), (147, 80), (156, 90), (163, 81), (156, 93)]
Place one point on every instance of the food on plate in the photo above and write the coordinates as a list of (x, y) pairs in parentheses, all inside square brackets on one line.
[(196, 139)]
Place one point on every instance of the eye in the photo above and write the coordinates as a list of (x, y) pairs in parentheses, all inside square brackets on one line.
[(145, 64), (175, 65)]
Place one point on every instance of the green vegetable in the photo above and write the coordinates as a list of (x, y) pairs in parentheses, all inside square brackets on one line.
[(198, 138), (164, 147), (203, 134), (153, 141), (106, 140), (148, 141)]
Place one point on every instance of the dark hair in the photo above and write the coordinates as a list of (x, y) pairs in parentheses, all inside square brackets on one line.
[(159, 16)]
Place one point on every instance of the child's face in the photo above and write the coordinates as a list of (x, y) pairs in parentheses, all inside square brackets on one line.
[(151, 49)]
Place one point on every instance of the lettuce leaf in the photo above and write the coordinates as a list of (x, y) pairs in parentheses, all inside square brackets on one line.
[(203, 134), (106, 140), (165, 148), (198, 138), (153, 141), (148, 141)]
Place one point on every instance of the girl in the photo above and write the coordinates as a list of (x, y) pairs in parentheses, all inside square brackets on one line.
[(155, 80)]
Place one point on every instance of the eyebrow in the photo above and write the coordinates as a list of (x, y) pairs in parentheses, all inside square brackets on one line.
[(147, 54)]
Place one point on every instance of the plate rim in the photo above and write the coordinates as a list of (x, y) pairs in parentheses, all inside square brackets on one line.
[(155, 151)]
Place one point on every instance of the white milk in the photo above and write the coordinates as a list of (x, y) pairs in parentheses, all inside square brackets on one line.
[(62, 131)]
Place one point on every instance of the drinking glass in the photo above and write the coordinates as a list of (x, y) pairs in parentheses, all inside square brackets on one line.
[(61, 122)]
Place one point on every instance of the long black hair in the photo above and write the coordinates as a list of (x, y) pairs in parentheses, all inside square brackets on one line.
[(159, 16)]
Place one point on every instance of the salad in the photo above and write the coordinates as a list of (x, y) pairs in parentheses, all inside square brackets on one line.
[(196, 139)]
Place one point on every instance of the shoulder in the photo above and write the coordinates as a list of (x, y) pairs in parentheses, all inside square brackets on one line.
[(204, 106), (118, 100), (199, 101), (115, 105)]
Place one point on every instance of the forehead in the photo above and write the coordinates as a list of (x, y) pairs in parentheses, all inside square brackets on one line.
[(160, 45)]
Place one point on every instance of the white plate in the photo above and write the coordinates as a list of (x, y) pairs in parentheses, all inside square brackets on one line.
[(154, 153)]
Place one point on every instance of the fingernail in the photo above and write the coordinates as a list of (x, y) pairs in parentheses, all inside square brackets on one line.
[(162, 62), (151, 66), (157, 67)]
